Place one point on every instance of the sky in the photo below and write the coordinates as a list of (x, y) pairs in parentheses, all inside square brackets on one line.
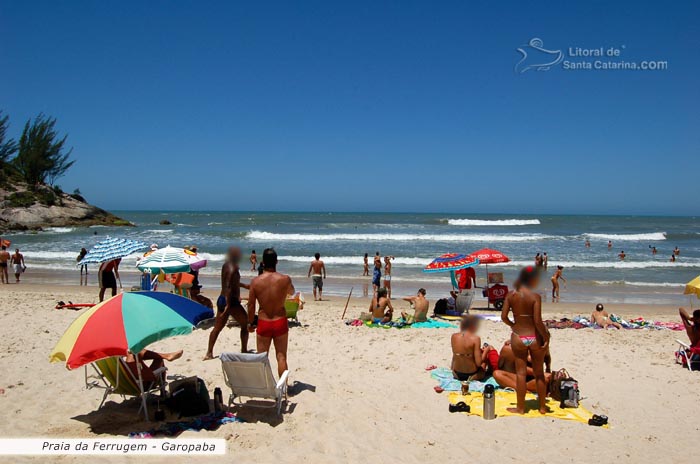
[(362, 106)]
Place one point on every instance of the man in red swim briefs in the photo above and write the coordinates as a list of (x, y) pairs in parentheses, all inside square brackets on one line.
[(270, 290)]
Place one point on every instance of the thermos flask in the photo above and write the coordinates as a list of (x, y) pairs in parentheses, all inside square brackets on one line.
[(489, 403)]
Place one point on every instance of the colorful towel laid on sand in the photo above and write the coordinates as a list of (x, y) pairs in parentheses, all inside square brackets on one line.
[(429, 324), (447, 382), (580, 322), (173, 429), (507, 399)]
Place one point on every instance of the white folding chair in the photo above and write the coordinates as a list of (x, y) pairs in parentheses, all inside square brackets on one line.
[(250, 376)]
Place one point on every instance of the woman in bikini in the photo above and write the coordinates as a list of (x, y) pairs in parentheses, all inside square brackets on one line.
[(466, 351), (381, 308), (555, 281), (529, 336)]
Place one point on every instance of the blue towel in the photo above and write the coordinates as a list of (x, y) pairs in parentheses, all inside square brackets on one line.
[(447, 382)]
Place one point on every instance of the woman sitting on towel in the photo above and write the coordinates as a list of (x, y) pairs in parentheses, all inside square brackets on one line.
[(529, 337), (381, 308), (466, 351)]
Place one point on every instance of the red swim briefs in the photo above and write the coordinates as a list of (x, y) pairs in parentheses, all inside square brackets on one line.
[(273, 328)]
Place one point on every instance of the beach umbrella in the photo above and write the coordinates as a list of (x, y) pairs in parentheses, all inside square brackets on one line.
[(693, 287), (126, 323), (451, 262), (196, 261), (168, 260), (110, 249), (488, 256)]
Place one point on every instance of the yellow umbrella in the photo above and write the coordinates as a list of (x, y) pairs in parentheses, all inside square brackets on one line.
[(693, 287)]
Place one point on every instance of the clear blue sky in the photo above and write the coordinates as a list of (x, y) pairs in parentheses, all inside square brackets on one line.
[(367, 106)]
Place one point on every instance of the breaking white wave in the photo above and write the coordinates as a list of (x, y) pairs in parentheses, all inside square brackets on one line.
[(160, 231), (652, 236), (483, 238), (493, 222), (639, 284), (29, 254), (356, 260), (60, 230), (609, 264)]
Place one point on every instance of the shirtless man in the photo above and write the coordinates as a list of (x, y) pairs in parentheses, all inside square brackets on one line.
[(466, 351), (108, 274), (677, 251), (387, 275), (420, 306), (621, 255), (381, 308), (602, 319), (229, 302), (270, 290), (18, 264), (253, 261), (319, 273), (4, 262), (692, 326)]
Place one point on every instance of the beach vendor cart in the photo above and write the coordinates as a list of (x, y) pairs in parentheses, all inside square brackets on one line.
[(495, 291)]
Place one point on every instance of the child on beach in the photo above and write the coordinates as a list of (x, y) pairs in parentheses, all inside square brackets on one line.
[(602, 319)]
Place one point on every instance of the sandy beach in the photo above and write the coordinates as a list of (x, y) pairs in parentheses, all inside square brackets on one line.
[(362, 393)]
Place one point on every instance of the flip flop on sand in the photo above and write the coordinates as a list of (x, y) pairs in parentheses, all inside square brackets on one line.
[(438, 389), (431, 367)]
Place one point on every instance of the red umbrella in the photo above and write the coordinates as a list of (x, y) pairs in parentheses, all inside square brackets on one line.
[(488, 256), (451, 262)]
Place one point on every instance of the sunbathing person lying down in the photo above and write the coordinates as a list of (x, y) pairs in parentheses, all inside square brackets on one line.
[(601, 318)]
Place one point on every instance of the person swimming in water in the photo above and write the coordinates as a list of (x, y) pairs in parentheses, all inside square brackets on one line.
[(555, 282), (529, 337), (466, 351), (602, 319)]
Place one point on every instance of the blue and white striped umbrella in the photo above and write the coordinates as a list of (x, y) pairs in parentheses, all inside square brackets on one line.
[(112, 248), (169, 260)]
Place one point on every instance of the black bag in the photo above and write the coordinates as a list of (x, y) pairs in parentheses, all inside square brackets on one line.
[(189, 397), (440, 306)]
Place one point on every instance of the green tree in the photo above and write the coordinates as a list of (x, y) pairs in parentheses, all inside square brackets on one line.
[(7, 147), (42, 157)]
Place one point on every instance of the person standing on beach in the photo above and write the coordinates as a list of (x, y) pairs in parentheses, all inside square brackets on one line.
[(18, 264), (365, 271), (529, 337), (555, 282), (4, 262), (538, 260), (319, 273), (81, 255), (253, 261), (229, 302), (377, 276), (270, 290), (387, 274), (108, 275)]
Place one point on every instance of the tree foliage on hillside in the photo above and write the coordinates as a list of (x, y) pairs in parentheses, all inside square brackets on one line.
[(7, 147), (41, 154)]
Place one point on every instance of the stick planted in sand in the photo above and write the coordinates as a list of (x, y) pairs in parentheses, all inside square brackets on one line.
[(347, 303)]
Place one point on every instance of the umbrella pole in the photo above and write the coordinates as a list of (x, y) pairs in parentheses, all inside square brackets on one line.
[(488, 303), (144, 404), (347, 303)]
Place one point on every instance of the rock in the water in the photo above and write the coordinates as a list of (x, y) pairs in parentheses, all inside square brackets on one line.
[(165, 222)]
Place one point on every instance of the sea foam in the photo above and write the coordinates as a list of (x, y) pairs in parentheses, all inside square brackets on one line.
[(493, 222), (482, 238)]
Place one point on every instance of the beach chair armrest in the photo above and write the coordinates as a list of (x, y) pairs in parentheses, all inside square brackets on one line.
[(683, 344), (282, 382), (160, 371)]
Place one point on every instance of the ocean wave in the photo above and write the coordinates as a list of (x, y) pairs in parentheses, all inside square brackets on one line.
[(493, 222), (608, 264), (356, 260), (652, 236), (215, 223), (159, 231), (60, 230), (639, 284), (484, 238), (29, 254)]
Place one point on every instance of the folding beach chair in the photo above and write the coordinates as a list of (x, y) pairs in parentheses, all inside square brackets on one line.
[(116, 378), (687, 356), (250, 375)]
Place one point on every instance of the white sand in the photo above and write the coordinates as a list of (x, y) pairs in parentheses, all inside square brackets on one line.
[(367, 396)]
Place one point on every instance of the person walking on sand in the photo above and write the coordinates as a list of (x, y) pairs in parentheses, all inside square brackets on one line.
[(253, 261), (365, 271), (555, 282), (387, 274), (529, 336), (229, 302), (81, 255), (270, 290), (108, 275), (4, 262), (18, 264), (319, 273)]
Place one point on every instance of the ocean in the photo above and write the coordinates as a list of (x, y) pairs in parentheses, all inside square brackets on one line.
[(593, 273)]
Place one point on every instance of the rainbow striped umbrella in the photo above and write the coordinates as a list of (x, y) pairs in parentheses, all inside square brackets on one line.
[(451, 262), (126, 322)]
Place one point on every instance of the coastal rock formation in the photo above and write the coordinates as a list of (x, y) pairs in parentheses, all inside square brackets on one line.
[(22, 208)]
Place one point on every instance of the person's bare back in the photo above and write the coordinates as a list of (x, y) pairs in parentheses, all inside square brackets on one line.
[(270, 290)]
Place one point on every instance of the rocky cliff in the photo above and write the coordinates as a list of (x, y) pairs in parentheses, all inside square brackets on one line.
[(22, 208)]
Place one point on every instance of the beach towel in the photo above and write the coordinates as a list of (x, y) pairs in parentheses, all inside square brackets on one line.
[(580, 322), (447, 382), (429, 324), (173, 429), (507, 399)]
